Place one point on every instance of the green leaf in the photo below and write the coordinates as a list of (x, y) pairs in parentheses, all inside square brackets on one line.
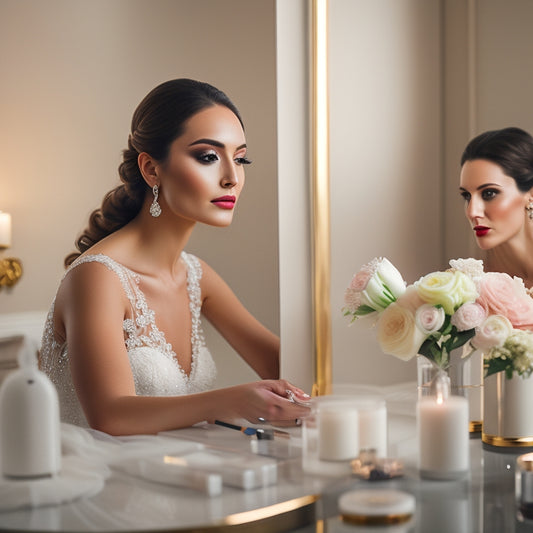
[(462, 337), (493, 366), (364, 310)]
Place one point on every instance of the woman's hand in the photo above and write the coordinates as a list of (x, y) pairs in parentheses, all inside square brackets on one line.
[(268, 400)]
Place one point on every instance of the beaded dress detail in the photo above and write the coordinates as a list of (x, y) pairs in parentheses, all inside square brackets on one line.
[(154, 364)]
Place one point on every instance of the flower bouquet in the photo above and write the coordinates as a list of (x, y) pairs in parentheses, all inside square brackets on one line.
[(462, 307), (432, 317)]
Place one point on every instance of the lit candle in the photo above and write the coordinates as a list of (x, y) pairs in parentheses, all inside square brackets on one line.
[(443, 434), (338, 431), (5, 230)]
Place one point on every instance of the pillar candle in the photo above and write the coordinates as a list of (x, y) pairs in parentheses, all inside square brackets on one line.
[(373, 427), (5, 230), (338, 432), (443, 434)]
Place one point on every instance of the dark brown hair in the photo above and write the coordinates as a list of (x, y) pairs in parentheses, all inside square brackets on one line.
[(510, 148), (158, 120)]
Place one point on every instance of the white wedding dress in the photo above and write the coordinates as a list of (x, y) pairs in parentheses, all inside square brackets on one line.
[(154, 365)]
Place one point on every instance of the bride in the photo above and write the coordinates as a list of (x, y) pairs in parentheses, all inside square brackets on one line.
[(123, 340)]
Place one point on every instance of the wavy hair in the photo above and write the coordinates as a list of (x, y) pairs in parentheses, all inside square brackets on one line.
[(158, 120)]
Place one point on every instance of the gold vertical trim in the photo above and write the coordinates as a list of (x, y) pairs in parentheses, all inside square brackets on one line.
[(320, 199)]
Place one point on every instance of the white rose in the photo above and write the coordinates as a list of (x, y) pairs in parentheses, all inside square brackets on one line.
[(492, 333), (391, 277)]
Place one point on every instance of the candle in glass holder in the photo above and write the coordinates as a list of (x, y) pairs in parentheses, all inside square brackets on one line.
[(524, 485), (373, 426), (443, 433), (338, 431)]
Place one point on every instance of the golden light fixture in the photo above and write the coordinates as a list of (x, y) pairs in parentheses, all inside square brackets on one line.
[(10, 267)]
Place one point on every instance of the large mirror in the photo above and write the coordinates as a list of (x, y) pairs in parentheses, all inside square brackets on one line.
[(411, 82)]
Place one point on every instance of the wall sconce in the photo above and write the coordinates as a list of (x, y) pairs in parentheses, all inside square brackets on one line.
[(10, 267)]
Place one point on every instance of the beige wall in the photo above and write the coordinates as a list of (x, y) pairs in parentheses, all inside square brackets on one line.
[(385, 161), (488, 85), (73, 72)]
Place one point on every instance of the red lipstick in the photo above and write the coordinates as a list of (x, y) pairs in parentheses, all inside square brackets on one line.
[(225, 202), (481, 231)]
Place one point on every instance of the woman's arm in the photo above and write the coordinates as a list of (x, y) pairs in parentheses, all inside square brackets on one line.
[(258, 346), (90, 309)]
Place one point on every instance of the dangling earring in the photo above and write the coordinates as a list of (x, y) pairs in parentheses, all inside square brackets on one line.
[(529, 209), (155, 208)]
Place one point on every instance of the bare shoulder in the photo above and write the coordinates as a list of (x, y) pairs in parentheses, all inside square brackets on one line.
[(88, 289), (210, 280), (90, 277)]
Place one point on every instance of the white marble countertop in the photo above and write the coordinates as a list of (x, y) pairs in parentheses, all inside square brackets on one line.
[(482, 502)]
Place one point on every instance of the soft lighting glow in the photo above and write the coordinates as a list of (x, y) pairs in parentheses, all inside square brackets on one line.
[(442, 388), (5, 230)]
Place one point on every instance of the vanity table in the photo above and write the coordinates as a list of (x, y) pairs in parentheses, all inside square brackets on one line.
[(299, 501)]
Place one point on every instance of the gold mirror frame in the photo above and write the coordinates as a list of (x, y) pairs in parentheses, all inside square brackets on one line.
[(320, 199)]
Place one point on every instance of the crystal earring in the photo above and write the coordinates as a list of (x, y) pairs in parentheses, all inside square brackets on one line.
[(155, 208), (529, 209)]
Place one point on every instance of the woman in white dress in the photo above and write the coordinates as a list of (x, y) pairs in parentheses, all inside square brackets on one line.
[(123, 341), (497, 185)]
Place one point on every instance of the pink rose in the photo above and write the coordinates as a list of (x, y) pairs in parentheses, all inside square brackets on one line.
[(468, 316), (429, 318), (500, 294), (360, 280)]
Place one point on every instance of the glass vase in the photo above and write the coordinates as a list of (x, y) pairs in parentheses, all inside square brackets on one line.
[(466, 379), (507, 421)]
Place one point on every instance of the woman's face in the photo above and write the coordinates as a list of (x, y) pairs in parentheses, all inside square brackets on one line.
[(203, 176), (494, 205)]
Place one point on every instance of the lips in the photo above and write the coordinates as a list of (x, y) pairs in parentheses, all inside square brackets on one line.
[(481, 231), (225, 202)]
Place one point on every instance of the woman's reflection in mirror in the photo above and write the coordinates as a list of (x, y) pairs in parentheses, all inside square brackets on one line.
[(496, 183)]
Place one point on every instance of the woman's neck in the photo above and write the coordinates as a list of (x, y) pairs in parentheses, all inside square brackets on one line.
[(149, 246), (515, 261)]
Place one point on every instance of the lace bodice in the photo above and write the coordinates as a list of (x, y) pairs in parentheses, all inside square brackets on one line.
[(154, 364)]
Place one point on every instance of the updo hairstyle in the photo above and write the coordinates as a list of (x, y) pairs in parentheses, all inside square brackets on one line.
[(158, 120), (510, 148)]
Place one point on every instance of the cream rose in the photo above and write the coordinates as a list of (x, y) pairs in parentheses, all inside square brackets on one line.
[(492, 333), (449, 289), (397, 332)]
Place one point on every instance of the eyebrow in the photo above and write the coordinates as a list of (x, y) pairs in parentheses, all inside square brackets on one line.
[(212, 142), (485, 185)]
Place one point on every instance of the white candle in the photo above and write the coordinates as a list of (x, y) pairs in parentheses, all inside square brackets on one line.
[(338, 432), (443, 435), (5, 230), (373, 427)]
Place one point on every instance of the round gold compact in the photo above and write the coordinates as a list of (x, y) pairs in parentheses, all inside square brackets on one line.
[(376, 506)]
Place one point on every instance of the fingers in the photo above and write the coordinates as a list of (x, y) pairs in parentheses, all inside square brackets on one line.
[(287, 389)]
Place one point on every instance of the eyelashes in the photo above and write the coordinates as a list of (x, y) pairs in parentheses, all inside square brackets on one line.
[(486, 195), (211, 157)]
